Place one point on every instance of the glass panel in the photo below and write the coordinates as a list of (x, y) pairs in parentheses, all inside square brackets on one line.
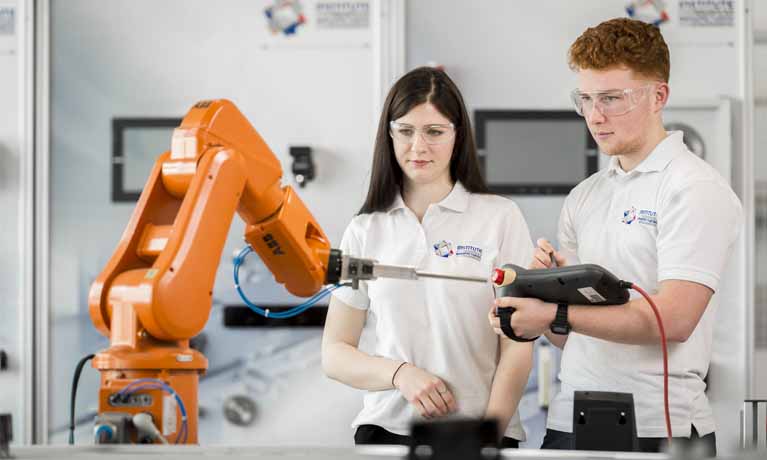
[(148, 59), (10, 268), (12, 209), (760, 256), (759, 10)]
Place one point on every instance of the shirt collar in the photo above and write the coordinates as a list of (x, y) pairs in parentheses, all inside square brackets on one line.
[(399, 203), (658, 159), (457, 200)]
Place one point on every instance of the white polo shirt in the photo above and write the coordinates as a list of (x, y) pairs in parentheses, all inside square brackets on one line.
[(437, 325), (673, 217)]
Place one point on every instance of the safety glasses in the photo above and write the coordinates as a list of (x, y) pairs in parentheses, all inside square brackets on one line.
[(609, 103), (431, 134)]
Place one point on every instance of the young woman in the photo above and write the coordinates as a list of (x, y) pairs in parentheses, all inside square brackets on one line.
[(427, 206)]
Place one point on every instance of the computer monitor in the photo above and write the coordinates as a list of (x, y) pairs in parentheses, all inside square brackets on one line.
[(136, 144), (525, 152)]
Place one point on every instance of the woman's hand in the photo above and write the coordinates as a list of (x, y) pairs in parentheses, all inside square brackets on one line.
[(427, 393)]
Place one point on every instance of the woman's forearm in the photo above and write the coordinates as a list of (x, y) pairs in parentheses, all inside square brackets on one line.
[(343, 361), (348, 365), (509, 382)]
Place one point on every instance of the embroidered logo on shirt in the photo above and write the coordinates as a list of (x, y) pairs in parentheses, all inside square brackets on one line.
[(469, 251), (444, 249), (643, 216), (629, 216)]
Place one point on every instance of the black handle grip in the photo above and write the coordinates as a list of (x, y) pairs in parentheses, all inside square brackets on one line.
[(504, 313), (573, 285)]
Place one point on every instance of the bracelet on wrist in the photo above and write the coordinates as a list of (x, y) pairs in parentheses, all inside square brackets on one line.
[(395, 373)]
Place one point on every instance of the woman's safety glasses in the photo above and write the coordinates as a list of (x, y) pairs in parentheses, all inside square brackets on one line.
[(431, 134)]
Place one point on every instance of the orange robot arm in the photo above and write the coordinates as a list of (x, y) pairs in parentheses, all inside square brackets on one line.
[(156, 291), (166, 261)]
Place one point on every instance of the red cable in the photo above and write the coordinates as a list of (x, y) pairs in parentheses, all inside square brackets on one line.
[(664, 346)]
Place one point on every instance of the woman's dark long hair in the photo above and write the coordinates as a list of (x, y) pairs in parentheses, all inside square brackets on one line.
[(419, 86)]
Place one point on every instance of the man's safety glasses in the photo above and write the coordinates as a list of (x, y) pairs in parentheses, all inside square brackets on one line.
[(609, 103), (431, 134)]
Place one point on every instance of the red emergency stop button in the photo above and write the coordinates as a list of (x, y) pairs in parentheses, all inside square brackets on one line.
[(498, 276)]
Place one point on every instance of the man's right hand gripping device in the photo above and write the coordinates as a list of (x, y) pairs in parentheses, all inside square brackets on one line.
[(586, 284)]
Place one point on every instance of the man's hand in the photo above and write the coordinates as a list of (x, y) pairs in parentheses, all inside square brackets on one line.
[(427, 393), (542, 255), (531, 318)]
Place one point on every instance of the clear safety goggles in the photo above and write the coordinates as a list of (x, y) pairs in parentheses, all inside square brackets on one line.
[(431, 134), (609, 103)]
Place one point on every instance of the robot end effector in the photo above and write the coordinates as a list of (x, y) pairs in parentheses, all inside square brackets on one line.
[(354, 270)]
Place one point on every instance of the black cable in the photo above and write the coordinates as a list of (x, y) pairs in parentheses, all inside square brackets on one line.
[(75, 381), (625, 284)]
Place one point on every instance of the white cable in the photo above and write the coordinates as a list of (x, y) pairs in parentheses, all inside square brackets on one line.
[(144, 423)]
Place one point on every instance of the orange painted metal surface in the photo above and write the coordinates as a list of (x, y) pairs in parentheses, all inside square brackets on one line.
[(155, 292), (184, 382)]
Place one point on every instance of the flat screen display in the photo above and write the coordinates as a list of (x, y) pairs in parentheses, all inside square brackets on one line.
[(534, 152)]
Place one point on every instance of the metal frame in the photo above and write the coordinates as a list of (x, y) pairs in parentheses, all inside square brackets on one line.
[(27, 193), (743, 175), (482, 117), (42, 302), (388, 21), (119, 125), (755, 424)]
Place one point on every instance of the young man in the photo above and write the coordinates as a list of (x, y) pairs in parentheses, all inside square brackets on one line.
[(658, 216)]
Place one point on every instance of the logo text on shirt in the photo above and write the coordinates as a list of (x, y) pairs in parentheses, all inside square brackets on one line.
[(642, 216), (469, 251)]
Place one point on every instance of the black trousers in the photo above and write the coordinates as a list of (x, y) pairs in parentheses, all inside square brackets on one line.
[(374, 434), (560, 440)]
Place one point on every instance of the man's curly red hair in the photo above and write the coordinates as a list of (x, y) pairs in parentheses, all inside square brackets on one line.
[(622, 42)]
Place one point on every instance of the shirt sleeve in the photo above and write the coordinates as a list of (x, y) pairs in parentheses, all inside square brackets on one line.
[(352, 246), (568, 241), (697, 228), (517, 246)]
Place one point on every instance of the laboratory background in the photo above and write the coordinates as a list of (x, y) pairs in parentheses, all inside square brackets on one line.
[(91, 92)]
